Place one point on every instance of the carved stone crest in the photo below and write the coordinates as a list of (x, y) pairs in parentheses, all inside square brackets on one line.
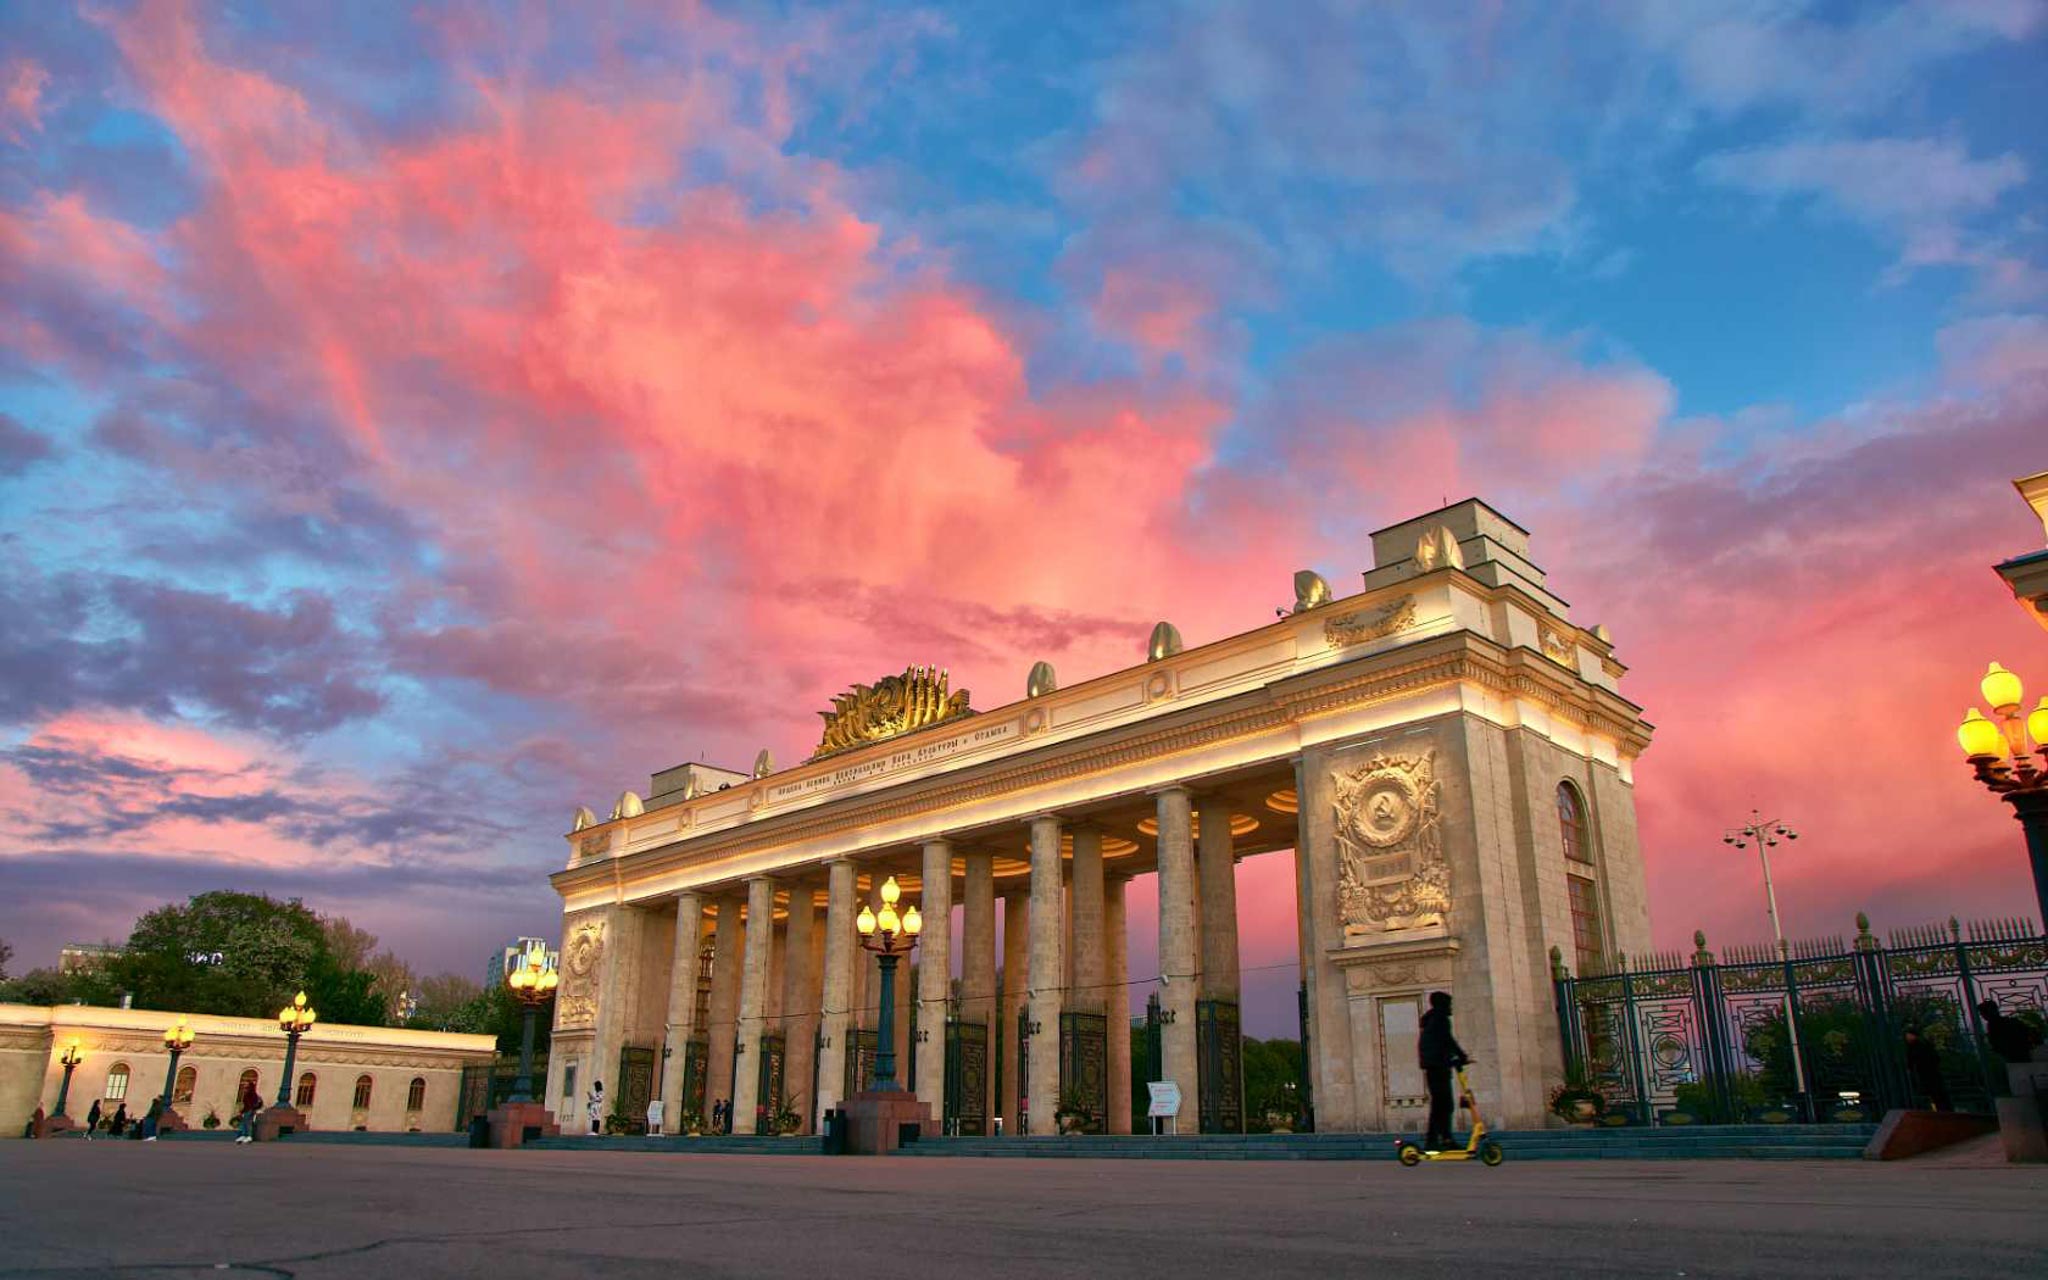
[(1557, 648), (1391, 872), (1370, 624), (582, 958)]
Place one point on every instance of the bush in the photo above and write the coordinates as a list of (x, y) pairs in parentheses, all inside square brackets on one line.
[(1701, 1099)]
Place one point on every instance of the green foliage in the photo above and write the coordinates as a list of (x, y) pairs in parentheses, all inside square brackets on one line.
[(1701, 1099), (6, 954), (255, 953), (50, 986), (1272, 1083), (1579, 1086)]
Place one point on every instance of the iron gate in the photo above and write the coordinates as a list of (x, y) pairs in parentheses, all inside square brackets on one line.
[(1711, 1040), (1084, 1068), (967, 1078), (1219, 1047)]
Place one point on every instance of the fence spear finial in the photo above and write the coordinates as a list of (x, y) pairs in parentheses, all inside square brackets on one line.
[(1557, 973), (1700, 955)]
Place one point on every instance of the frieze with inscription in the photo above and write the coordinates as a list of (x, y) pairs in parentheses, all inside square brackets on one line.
[(1365, 625)]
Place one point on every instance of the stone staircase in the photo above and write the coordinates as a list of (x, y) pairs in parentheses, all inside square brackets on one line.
[(736, 1143), (1723, 1142)]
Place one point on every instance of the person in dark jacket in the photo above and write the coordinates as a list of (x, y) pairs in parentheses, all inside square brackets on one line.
[(92, 1119), (1440, 1055), (1923, 1063), (2009, 1038), (119, 1124)]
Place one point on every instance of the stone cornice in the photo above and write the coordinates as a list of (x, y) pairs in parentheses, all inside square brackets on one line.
[(1460, 657)]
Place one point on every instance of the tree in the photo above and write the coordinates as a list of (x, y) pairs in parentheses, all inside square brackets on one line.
[(448, 1002), (239, 954), (350, 946), (6, 954)]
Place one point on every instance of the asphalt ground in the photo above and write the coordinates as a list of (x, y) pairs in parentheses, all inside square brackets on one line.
[(168, 1209)]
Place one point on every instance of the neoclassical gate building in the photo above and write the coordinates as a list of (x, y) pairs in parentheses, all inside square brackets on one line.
[(1444, 753)]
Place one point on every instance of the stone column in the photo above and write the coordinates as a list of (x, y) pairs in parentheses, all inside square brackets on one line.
[(726, 959), (1117, 1001), (746, 1089), (1177, 952), (1047, 969), (1090, 965), (1217, 872), (978, 939), (836, 1012), (934, 976), (1016, 980), (682, 1003), (799, 1000)]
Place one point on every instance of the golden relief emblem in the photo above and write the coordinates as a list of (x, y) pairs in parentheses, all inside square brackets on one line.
[(576, 1004), (890, 706), (1391, 873), (1370, 624)]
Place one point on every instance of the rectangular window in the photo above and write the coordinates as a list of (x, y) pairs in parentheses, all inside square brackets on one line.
[(569, 1085), (1400, 1026), (1585, 902)]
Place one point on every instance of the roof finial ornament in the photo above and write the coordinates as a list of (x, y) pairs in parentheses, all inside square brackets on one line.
[(1165, 642), (1437, 549), (1041, 681), (764, 764), (584, 818), (1310, 590), (629, 806)]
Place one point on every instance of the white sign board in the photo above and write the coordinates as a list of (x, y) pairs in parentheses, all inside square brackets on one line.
[(1165, 1098), (654, 1116)]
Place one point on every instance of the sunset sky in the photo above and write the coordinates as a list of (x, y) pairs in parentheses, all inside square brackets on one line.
[(419, 420)]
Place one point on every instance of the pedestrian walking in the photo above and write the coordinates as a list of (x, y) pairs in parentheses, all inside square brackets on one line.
[(92, 1119), (119, 1124), (152, 1119), (1923, 1063), (594, 1104), (35, 1123), (245, 1115), (718, 1116), (1440, 1055)]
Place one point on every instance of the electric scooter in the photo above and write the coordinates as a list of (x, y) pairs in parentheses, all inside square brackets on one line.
[(1478, 1146)]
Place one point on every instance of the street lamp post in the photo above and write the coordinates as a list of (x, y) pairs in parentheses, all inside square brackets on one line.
[(295, 1020), (533, 981), (177, 1039), (1998, 752), (1765, 833), (890, 937), (72, 1057)]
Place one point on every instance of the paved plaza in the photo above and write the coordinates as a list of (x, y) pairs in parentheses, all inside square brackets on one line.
[(174, 1209)]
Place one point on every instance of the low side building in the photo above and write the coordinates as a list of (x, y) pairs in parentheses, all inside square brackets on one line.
[(385, 1079)]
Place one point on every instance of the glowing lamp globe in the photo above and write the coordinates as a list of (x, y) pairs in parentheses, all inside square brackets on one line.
[(2001, 689), (866, 922), (890, 891), (888, 920), (913, 922), (2037, 724), (1980, 738)]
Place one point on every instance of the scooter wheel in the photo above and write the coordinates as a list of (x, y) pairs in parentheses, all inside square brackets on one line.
[(1490, 1154), (1411, 1155)]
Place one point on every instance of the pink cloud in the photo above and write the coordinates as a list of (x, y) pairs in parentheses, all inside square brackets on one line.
[(22, 82)]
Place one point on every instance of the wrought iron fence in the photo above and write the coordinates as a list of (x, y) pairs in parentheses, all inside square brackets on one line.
[(1709, 1040)]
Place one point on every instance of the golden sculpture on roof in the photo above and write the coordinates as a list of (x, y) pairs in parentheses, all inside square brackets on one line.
[(890, 706)]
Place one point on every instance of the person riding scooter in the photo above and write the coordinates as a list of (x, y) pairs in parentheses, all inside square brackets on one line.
[(1440, 1054)]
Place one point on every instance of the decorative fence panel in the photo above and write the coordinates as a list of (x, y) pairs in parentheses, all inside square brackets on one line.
[(1706, 1040)]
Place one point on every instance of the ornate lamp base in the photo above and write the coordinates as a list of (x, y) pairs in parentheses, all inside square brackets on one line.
[(514, 1123), (277, 1122), (875, 1120)]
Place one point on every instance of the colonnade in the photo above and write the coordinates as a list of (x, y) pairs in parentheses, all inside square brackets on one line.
[(1064, 952)]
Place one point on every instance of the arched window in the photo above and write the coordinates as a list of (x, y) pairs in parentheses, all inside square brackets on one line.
[(362, 1093), (416, 1095), (308, 1085), (117, 1082), (188, 1080), (1571, 822), (244, 1085)]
